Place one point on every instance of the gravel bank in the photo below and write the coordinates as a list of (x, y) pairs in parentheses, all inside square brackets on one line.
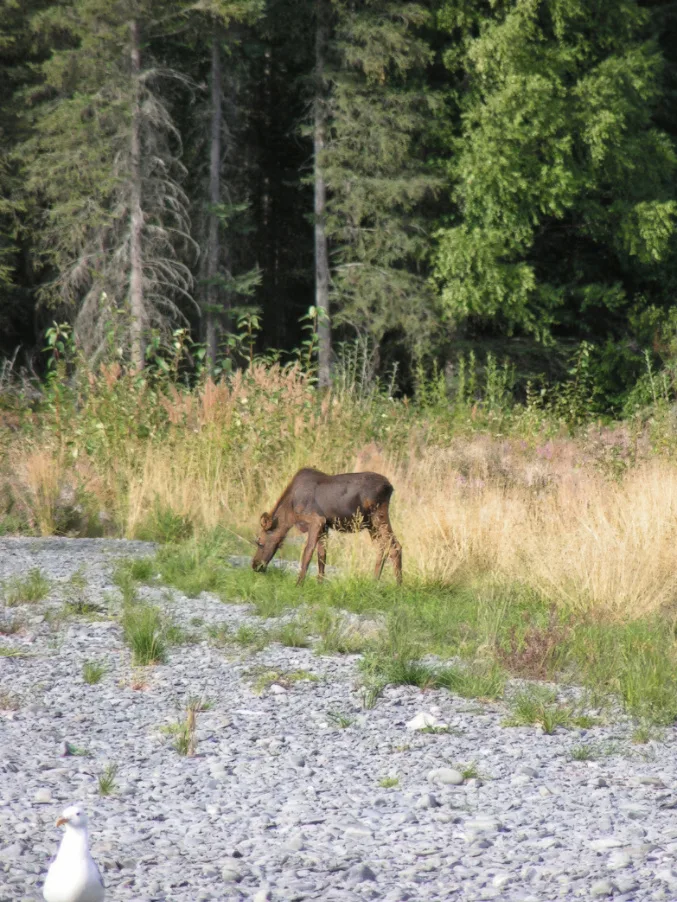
[(280, 802)]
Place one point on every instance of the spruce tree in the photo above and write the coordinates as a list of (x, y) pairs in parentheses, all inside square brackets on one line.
[(103, 163), (378, 107), (20, 53), (215, 129)]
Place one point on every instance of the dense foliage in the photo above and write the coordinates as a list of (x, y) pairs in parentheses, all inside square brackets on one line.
[(496, 174)]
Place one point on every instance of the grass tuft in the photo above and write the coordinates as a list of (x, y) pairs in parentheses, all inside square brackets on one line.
[(340, 720), (646, 732), (76, 750), (538, 706), (251, 637), (28, 589), (469, 771), (164, 525), (143, 631), (292, 635), (9, 701), (389, 782), (93, 672), (263, 678), (107, 784), (583, 753), (76, 596), (126, 583), (185, 730)]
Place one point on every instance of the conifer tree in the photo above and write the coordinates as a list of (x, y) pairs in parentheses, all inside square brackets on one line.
[(322, 26), (215, 34), (19, 53), (377, 182), (104, 165)]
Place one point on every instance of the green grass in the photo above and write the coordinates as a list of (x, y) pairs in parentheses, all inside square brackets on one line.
[(93, 672), (76, 594), (336, 635), (252, 637), (9, 626), (144, 632), (583, 753), (538, 706), (162, 524), (126, 582), (7, 651), (263, 679), (292, 635), (141, 569), (28, 589), (220, 634), (76, 750), (469, 771), (340, 720), (370, 693), (9, 701), (509, 626), (389, 782), (107, 784), (646, 732)]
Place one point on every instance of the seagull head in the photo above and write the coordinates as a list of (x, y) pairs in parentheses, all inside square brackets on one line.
[(73, 816)]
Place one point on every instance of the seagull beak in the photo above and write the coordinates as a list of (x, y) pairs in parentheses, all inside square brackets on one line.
[(60, 821)]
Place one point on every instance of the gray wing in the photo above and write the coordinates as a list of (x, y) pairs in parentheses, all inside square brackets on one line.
[(98, 872)]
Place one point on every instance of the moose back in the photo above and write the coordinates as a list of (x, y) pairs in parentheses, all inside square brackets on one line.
[(315, 502)]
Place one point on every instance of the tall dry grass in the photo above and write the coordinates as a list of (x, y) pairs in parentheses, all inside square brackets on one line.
[(466, 507)]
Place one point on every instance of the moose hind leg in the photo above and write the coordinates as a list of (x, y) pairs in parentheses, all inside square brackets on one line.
[(321, 555), (383, 535), (395, 555)]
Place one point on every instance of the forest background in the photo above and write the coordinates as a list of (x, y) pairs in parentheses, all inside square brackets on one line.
[(437, 176)]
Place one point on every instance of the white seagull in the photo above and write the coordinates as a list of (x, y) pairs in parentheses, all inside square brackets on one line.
[(73, 875)]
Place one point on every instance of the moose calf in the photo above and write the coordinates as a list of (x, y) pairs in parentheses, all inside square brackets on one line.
[(315, 502)]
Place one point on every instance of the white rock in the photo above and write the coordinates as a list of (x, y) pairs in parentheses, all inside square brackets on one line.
[(230, 873), (445, 776), (423, 720), (483, 824), (520, 780), (604, 843), (618, 860), (602, 888)]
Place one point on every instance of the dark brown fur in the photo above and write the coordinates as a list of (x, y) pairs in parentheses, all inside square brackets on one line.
[(315, 502)]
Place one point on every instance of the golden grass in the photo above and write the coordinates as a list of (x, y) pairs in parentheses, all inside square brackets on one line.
[(465, 507)]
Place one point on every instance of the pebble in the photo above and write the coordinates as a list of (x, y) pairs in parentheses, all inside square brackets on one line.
[(428, 800), (359, 873), (274, 806)]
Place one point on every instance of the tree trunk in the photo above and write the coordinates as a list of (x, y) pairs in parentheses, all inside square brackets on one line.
[(321, 248), (214, 201), (136, 217)]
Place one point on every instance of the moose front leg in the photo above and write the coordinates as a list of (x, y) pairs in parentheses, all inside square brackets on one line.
[(315, 529)]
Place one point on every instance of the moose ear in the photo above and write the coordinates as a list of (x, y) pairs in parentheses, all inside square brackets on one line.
[(266, 521)]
